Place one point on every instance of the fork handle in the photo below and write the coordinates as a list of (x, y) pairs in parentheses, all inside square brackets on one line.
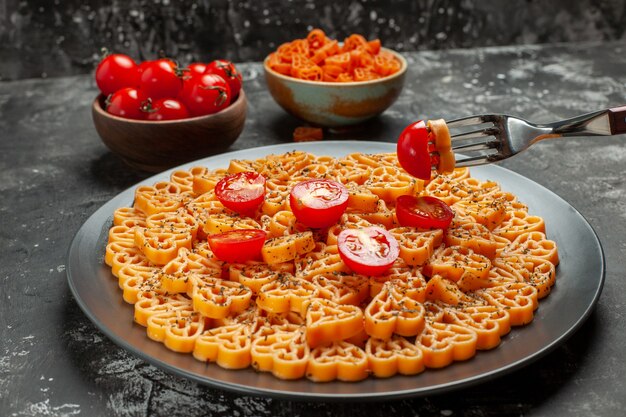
[(617, 120), (603, 123)]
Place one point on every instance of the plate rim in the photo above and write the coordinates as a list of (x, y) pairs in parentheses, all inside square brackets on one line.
[(312, 396)]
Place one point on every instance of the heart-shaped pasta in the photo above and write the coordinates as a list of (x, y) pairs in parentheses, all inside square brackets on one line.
[(155, 301), (394, 311), (176, 275), (520, 300), (178, 330), (396, 355), (442, 343), (160, 197), (328, 322), (217, 298), (416, 246), (339, 360), (535, 244), (229, 346), (286, 294), (537, 271), (342, 288), (281, 351), (453, 262), (518, 222), (489, 322)]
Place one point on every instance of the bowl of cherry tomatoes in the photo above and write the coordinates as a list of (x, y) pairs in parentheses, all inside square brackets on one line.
[(158, 114), (332, 84)]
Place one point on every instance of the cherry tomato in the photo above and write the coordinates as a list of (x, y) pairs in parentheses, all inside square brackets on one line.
[(114, 72), (425, 212), (369, 250), (318, 203), (196, 68), (414, 150), (242, 192), (160, 79), (166, 109), (126, 103), (141, 67), (207, 94), (228, 72), (239, 245)]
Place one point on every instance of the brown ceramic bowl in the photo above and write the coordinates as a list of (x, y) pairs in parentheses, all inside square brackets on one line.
[(157, 145), (331, 104)]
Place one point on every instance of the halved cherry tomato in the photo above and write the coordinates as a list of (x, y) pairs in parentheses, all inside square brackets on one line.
[(425, 212), (239, 245), (116, 71), (242, 192), (228, 72), (414, 150), (369, 250), (318, 203)]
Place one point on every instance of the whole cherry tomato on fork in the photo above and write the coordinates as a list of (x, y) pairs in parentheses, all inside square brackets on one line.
[(424, 212), (369, 250), (239, 245), (242, 192), (318, 203)]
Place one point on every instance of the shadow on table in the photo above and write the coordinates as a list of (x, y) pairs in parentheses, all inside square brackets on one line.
[(381, 128), (115, 373), (111, 171)]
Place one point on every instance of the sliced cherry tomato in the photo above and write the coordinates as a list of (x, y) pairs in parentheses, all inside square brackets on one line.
[(126, 103), (228, 72), (206, 94), (114, 72), (165, 109), (318, 203), (425, 212), (414, 150), (239, 245), (242, 192), (369, 250), (159, 79)]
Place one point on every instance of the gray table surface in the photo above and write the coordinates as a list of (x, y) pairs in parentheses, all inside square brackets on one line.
[(55, 172)]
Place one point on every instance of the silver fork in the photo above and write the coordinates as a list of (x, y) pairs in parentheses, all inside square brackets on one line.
[(508, 135)]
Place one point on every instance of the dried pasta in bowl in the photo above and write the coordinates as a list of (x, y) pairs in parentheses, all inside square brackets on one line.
[(300, 311)]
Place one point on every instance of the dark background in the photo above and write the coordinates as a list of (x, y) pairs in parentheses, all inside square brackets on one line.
[(46, 38)]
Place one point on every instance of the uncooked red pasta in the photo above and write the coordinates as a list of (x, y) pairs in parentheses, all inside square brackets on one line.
[(319, 58), (299, 311)]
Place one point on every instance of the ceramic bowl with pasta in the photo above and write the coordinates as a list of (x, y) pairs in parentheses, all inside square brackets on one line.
[(332, 84)]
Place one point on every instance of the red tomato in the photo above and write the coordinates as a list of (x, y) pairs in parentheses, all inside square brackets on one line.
[(166, 109), (318, 203), (141, 67), (228, 72), (207, 94), (239, 245), (160, 79), (242, 192), (414, 150), (369, 250), (425, 212), (196, 68), (126, 103), (115, 72)]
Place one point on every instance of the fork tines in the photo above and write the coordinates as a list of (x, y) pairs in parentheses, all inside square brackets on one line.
[(477, 142)]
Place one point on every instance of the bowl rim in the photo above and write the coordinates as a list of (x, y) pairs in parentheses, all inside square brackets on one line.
[(96, 106), (398, 74)]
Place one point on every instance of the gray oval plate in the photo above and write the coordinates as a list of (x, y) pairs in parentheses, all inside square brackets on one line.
[(580, 277)]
